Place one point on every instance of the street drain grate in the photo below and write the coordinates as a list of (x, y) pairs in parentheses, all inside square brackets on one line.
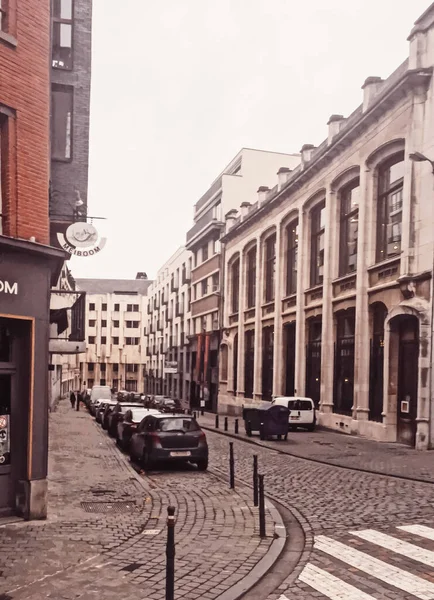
[(133, 567), (109, 507)]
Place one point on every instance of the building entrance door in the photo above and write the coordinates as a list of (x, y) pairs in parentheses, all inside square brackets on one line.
[(407, 380)]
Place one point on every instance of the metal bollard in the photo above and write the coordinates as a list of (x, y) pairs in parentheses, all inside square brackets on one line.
[(231, 466), (255, 480), (236, 425), (170, 554), (226, 423), (194, 414), (261, 507), (216, 421), (202, 411)]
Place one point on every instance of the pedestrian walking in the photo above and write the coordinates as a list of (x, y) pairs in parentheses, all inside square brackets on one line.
[(79, 399), (72, 400)]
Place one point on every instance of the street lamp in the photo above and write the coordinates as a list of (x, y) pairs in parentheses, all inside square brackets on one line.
[(419, 157)]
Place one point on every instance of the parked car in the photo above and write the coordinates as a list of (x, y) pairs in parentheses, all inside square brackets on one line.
[(117, 414), (129, 424), (98, 393), (268, 419), (174, 438), (100, 410), (166, 405), (302, 411)]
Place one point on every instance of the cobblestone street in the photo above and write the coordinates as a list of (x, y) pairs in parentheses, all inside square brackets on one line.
[(344, 514), (105, 535)]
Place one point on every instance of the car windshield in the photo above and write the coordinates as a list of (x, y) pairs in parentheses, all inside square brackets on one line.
[(299, 405), (178, 424)]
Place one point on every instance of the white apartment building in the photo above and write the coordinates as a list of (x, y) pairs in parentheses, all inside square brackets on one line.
[(329, 275), (115, 332), (235, 186), (168, 322)]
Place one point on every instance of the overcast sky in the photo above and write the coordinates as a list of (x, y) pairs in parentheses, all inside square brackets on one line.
[(180, 86)]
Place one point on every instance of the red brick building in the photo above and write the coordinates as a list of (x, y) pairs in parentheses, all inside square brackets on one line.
[(28, 265)]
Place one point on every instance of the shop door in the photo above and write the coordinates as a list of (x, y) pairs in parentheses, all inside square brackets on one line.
[(407, 380)]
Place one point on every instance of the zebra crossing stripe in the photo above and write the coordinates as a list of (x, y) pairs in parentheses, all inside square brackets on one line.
[(398, 546), (420, 530), (398, 578), (331, 586)]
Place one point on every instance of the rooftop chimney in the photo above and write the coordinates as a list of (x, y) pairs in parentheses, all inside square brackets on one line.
[(335, 123), (306, 153), (244, 209), (370, 88), (141, 275), (230, 219), (262, 194), (282, 177)]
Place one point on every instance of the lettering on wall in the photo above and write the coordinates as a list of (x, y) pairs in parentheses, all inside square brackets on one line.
[(6, 287)]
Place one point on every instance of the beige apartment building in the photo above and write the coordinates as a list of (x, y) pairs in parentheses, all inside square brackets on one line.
[(115, 336), (167, 329), (328, 276), (235, 186)]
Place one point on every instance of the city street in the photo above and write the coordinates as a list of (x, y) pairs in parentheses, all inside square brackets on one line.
[(105, 535), (336, 507)]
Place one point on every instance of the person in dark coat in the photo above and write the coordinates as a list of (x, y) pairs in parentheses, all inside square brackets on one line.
[(72, 399)]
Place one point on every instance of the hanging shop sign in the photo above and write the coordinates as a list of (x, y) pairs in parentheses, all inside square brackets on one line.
[(170, 367), (4, 440), (81, 239)]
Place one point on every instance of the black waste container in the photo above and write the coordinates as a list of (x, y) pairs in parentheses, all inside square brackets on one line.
[(268, 419)]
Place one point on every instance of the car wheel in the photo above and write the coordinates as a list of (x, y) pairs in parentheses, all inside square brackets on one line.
[(202, 465)]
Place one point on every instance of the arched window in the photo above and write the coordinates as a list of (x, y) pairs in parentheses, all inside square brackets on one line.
[(270, 267), (389, 207), (251, 278), (235, 286), (349, 200), (224, 362), (317, 244)]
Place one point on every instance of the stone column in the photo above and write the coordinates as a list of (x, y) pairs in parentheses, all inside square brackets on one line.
[(300, 326), (278, 333), (362, 329), (257, 381), (241, 307), (327, 336)]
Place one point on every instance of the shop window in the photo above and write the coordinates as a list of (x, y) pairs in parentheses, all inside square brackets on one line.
[(350, 199), (389, 207), (61, 122), (235, 364), (235, 285), (270, 267), (62, 34), (313, 360), (344, 364), (251, 278), (249, 362), (291, 257), (215, 282), (317, 245)]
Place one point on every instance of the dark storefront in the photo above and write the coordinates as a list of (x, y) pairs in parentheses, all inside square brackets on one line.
[(344, 363), (289, 333), (249, 363), (267, 362), (376, 377), (27, 272), (204, 371), (313, 360)]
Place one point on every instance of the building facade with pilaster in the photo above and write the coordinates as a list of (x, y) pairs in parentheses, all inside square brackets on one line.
[(328, 277)]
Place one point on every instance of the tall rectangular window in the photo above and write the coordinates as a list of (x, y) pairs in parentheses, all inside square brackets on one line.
[(251, 277), (62, 34), (235, 285), (270, 267), (249, 362), (317, 245), (291, 257), (344, 363), (116, 307), (389, 207), (205, 253), (61, 122), (349, 228)]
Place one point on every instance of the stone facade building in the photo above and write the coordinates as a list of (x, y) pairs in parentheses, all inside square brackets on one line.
[(168, 326), (115, 337), (328, 277), (233, 187)]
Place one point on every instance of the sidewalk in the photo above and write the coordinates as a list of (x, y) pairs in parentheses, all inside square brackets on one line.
[(105, 536), (340, 449)]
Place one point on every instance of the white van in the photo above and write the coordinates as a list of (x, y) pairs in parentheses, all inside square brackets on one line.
[(99, 393), (302, 411)]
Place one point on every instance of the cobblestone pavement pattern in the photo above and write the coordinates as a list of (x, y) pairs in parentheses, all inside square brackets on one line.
[(345, 515), (116, 555), (344, 450)]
